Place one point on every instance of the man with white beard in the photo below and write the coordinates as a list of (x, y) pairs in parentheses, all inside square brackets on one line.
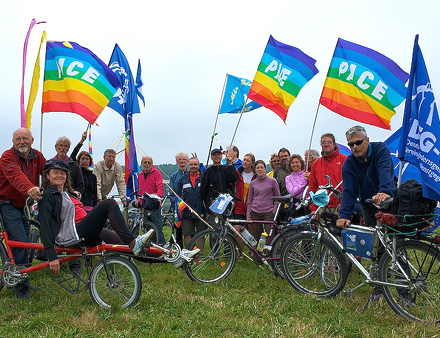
[(20, 169)]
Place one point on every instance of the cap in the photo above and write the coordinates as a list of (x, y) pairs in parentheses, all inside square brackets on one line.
[(56, 164), (215, 150)]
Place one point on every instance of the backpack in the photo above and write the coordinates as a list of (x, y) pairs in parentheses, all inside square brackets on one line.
[(409, 200)]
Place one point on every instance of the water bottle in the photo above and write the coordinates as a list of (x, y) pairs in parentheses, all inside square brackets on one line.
[(299, 220), (246, 234), (262, 241)]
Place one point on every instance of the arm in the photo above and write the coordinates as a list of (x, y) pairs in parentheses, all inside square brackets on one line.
[(385, 171), (350, 191), (120, 182), (159, 184), (250, 198), (232, 174), (276, 192), (78, 146), (78, 178), (15, 176), (45, 210), (97, 172)]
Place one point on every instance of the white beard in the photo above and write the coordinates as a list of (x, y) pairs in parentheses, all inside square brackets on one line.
[(23, 149)]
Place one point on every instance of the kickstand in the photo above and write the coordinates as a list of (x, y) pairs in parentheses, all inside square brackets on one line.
[(368, 302)]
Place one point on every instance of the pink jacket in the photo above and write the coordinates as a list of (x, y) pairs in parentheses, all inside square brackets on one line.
[(296, 183), (152, 184)]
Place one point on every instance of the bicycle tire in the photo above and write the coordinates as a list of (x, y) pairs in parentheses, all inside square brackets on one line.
[(317, 270), (167, 227), (276, 251), (124, 288), (422, 263), (146, 226), (3, 260), (34, 237), (217, 259)]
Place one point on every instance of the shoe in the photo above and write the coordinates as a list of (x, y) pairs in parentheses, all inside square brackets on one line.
[(22, 294), (376, 294), (140, 242), (185, 253), (34, 288), (406, 299)]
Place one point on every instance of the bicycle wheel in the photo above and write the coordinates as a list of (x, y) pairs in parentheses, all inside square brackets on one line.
[(121, 288), (146, 226), (421, 263), (315, 269), (3, 260), (167, 227), (216, 258), (34, 237), (276, 252)]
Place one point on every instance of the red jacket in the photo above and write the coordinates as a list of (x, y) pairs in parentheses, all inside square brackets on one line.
[(153, 184), (238, 190), (330, 165), (18, 175)]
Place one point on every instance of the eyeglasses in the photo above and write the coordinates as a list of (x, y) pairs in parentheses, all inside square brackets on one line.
[(326, 142), (147, 162), (358, 143), (275, 161)]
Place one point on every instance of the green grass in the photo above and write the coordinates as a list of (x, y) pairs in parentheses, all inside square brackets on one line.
[(251, 302)]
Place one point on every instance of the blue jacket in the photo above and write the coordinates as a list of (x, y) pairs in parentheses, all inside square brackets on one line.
[(174, 182), (365, 178), (191, 196)]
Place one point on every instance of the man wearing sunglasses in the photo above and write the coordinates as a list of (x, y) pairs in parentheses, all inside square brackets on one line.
[(367, 173)]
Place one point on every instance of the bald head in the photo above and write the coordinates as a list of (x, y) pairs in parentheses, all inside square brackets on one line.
[(22, 141)]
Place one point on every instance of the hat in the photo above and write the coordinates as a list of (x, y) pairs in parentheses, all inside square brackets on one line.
[(215, 150), (56, 164)]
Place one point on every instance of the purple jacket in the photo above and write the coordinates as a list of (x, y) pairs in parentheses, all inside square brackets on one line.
[(296, 183), (258, 197)]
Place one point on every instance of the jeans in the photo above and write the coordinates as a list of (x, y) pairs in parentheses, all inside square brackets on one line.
[(17, 227), (156, 218)]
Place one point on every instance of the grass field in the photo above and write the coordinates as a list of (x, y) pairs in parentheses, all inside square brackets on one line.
[(251, 302)]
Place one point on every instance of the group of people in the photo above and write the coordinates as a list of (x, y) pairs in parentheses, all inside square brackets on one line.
[(75, 195)]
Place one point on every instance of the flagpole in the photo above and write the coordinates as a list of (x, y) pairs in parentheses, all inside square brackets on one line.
[(236, 128), (216, 119), (41, 133), (311, 136)]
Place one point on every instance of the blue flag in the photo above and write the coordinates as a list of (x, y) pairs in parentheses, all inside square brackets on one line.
[(125, 100), (409, 171), (126, 103), (420, 144), (139, 82), (234, 96)]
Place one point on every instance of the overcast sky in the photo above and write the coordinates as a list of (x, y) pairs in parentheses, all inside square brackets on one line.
[(187, 47)]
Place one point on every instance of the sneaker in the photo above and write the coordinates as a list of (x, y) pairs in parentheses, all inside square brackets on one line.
[(34, 288), (185, 253), (140, 242), (22, 294)]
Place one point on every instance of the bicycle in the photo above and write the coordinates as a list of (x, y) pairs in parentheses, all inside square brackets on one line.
[(114, 281), (219, 251), (407, 272)]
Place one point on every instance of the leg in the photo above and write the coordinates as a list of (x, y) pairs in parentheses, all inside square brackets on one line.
[(156, 218), (17, 227), (187, 229), (91, 226)]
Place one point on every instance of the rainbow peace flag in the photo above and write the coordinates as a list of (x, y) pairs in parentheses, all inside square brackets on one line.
[(282, 72), (178, 211), (363, 85), (76, 81)]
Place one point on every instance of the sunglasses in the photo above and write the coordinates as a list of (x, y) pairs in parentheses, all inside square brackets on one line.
[(358, 143), (326, 142)]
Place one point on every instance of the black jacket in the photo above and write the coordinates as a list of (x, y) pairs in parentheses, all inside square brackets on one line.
[(215, 180), (49, 216), (90, 195)]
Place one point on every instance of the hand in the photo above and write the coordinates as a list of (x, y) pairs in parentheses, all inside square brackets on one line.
[(194, 155), (99, 200), (342, 223), (54, 266), (306, 174), (380, 197), (35, 193), (77, 193), (83, 137)]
